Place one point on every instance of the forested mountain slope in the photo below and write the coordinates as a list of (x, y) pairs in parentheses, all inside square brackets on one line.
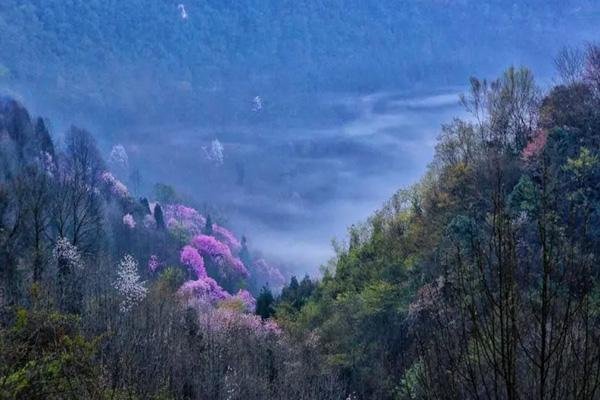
[(482, 280), (131, 56)]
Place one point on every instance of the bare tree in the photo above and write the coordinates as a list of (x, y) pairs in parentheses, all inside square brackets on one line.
[(78, 206), (569, 64)]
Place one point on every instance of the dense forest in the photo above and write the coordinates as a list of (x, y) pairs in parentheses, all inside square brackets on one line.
[(94, 54), (478, 282)]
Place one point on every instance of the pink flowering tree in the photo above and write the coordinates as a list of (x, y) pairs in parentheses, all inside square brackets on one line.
[(246, 299), (227, 237), (265, 273), (154, 263), (205, 290), (536, 145), (220, 253), (183, 221), (224, 320), (115, 186), (191, 258)]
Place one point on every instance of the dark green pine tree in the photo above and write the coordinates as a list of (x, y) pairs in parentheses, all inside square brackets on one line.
[(245, 253), (297, 294), (146, 205), (290, 292), (208, 227), (158, 216), (264, 303)]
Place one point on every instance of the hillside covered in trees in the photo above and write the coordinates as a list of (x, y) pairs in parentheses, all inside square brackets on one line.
[(201, 59), (100, 291), (479, 282)]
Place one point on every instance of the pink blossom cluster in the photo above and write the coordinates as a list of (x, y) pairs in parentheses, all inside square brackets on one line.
[(205, 290), (154, 263), (129, 221), (193, 260), (208, 245), (189, 221), (219, 252), (181, 218), (267, 273), (224, 320), (247, 300), (227, 237), (536, 145), (116, 186)]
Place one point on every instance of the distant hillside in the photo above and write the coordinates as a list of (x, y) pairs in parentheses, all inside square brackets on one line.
[(134, 55)]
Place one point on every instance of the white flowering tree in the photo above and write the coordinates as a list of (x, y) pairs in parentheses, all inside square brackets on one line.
[(257, 104), (182, 11), (128, 283), (67, 256), (118, 157), (69, 263), (214, 153)]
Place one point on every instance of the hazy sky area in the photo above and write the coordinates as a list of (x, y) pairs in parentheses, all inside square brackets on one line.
[(323, 109)]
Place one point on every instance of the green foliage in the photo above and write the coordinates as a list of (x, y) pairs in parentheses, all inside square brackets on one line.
[(4, 72), (297, 294), (44, 356), (91, 51), (264, 303), (412, 385), (165, 194), (171, 279), (583, 165), (583, 172), (499, 233), (524, 197)]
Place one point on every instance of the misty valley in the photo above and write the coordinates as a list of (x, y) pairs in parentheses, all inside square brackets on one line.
[(299, 200)]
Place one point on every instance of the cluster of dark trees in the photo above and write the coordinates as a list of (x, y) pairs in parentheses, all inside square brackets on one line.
[(482, 280)]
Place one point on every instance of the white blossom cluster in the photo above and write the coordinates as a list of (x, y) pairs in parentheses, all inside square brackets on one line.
[(118, 156), (257, 104), (182, 11), (66, 253), (128, 283), (129, 221), (47, 163), (116, 186), (215, 152)]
